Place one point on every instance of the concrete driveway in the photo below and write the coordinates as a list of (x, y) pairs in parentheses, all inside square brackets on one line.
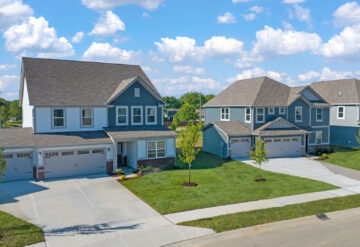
[(91, 211), (309, 168)]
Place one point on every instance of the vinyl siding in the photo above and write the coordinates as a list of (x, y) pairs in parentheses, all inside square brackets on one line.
[(27, 109), (305, 114), (212, 114), (351, 116), (344, 136), (325, 135), (215, 142), (326, 117), (268, 117)]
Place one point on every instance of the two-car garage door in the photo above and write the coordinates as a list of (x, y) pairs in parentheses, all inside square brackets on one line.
[(64, 163), (283, 147)]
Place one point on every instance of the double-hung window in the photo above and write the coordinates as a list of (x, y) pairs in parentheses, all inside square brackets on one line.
[(136, 115), (260, 115), (248, 115), (341, 112), (319, 114), (298, 114), (225, 114), (122, 115), (318, 137), (282, 110), (86, 117), (58, 117), (271, 110), (156, 149), (150, 115)]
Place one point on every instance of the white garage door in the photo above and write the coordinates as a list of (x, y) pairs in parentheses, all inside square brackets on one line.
[(19, 166), (283, 147), (240, 147), (74, 162)]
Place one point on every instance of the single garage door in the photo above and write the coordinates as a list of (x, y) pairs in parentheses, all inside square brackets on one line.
[(283, 147), (68, 163), (240, 147), (19, 166)]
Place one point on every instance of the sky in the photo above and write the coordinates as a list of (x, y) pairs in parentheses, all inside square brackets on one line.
[(187, 45)]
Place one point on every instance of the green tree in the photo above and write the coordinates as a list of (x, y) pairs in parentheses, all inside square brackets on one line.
[(14, 109), (172, 102), (259, 154), (187, 113), (208, 98), (187, 141), (358, 137), (2, 165), (193, 98), (175, 123)]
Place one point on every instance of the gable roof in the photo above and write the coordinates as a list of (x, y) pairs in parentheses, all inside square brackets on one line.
[(266, 130), (345, 91), (67, 82), (230, 128)]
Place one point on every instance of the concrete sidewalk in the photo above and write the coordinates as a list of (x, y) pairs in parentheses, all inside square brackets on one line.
[(260, 204)]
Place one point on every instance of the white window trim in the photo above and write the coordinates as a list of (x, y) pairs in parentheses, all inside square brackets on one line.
[(52, 118), (132, 115), (92, 117), (248, 121), (146, 115), (263, 114), (282, 112), (117, 115), (321, 142), (224, 119), (299, 107), (316, 115), (156, 149), (337, 112), (137, 92), (273, 110)]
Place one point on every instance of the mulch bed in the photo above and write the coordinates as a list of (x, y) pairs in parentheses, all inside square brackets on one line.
[(187, 184)]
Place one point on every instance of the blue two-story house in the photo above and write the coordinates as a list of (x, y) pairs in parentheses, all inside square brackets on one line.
[(83, 118), (291, 120)]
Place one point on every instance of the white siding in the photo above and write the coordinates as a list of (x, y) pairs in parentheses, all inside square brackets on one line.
[(72, 118), (27, 109), (170, 147), (141, 149)]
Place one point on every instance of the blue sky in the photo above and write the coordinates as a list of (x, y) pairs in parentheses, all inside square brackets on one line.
[(187, 45)]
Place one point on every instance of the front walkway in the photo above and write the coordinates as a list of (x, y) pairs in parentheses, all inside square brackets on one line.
[(302, 167)]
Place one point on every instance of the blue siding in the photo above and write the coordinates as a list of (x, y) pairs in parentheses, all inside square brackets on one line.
[(325, 135), (268, 117), (326, 117), (305, 113), (127, 99), (215, 142), (212, 114), (344, 136)]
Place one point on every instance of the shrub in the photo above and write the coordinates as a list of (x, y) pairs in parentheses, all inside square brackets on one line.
[(171, 165), (119, 171), (135, 176), (306, 155), (122, 177), (324, 156)]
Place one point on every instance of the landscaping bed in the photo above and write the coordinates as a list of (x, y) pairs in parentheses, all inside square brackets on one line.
[(17, 232), (257, 217), (219, 182)]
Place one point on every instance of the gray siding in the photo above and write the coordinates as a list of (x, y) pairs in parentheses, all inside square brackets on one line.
[(212, 114), (268, 117), (351, 116), (127, 99), (305, 112), (326, 117), (344, 136), (215, 142)]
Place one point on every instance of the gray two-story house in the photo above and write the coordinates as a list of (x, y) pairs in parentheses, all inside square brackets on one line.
[(84, 118), (291, 120), (344, 98)]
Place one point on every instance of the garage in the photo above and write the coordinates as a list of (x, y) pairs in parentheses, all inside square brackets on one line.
[(283, 146), (19, 166), (240, 147), (66, 163)]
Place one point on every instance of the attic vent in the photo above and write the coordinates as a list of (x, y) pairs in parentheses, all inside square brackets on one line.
[(340, 93)]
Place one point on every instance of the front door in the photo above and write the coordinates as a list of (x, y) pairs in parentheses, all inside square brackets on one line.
[(119, 154)]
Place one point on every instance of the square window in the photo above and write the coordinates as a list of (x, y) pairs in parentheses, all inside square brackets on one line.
[(271, 110), (260, 115), (282, 110)]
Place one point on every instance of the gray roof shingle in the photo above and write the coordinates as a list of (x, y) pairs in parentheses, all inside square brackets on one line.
[(231, 128), (266, 130), (130, 133), (66, 82)]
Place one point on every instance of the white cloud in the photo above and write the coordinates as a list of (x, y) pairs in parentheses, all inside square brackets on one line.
[(108, 24), (345, 45), (109, 4), (256, 9), (13, 11), (325, 74), (8, 80), (300, 13), (293, 1), (271, 42), (309, 76), (347, 14), (226, 18), (148, 69), (146, 15), (104, 52), (183, 48), (249, 16), (7, 66), (35, 35), (188, 69), (77, 37)]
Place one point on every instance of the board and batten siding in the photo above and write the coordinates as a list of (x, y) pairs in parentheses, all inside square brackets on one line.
[(27, 109), (212, 114), (215, 141), (326, 117), (127, 98), (43, 120), (305, 113)]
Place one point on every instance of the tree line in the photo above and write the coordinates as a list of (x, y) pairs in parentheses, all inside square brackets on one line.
[(9, 110)]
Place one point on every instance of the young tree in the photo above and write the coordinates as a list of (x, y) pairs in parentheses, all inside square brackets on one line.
[(175, 123), (259, 154), (187, 141), (2, 165), (187, 113)]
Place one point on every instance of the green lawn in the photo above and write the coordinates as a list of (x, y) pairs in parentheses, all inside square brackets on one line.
[(345, 157), (257, 217), (17, 232), (220, 183)]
